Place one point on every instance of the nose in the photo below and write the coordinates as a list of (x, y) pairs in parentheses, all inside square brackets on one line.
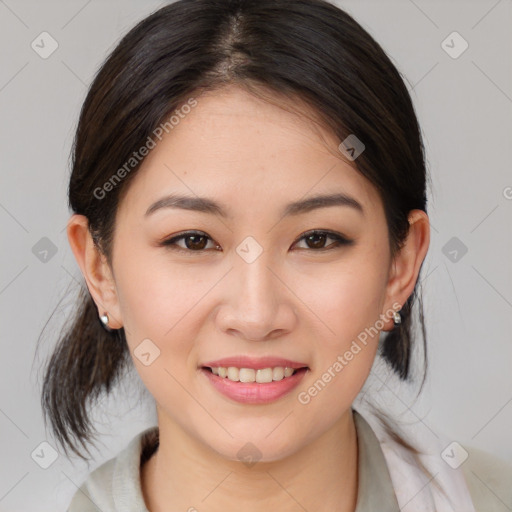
[(258, 302)]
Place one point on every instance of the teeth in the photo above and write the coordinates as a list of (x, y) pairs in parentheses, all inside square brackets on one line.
[(251, 375)]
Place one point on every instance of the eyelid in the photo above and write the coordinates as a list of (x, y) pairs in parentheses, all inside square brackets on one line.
[(340, 240), (170, 243)]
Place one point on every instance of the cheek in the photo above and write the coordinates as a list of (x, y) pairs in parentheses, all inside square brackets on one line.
[(159, 312), (155, 296), (345, 298), (346, 345), (160, 303), (168, 304)]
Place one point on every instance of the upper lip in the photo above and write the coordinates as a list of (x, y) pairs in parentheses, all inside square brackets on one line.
[(256, 363)]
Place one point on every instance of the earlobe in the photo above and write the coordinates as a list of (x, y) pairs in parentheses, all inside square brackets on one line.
[(94, 268), (407, 263)]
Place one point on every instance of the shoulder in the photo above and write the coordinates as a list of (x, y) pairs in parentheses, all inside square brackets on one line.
[(115, 485), (489, 480), (96, 494)]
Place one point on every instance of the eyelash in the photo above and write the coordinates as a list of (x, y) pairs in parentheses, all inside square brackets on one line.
[(339, 240)]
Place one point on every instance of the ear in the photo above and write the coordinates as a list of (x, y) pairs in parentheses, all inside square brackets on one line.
[(406, 265), (95, 269)]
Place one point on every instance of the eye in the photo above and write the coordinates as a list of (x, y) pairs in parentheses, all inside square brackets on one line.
[(316, 239), (195, 241)]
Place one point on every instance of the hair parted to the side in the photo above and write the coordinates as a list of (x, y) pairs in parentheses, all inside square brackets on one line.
[(298, 53)]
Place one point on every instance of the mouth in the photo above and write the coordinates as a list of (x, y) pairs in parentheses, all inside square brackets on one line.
[(253, 375), (254, 386)]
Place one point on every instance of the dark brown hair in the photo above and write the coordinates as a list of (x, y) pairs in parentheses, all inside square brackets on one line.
[(309, 51)]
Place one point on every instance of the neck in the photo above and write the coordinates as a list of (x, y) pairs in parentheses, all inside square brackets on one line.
[(184, 474)]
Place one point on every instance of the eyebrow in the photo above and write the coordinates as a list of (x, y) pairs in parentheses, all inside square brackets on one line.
[(206, 205)]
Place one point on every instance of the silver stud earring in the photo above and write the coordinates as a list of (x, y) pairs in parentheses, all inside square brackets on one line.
[(104, 319), (397, 319)]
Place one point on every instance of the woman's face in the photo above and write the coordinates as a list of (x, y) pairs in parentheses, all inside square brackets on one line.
[(253, 285)]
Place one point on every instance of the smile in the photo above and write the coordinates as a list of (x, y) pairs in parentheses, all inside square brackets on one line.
[(251, 391), (263, 375)]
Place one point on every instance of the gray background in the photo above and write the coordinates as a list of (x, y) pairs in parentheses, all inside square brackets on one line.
[(464, 105)]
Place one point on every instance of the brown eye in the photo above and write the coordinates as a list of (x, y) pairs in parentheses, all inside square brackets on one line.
[(196, 242), (316, 240), (193, 242)]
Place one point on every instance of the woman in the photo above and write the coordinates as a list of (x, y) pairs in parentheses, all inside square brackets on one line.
[(249, 198)]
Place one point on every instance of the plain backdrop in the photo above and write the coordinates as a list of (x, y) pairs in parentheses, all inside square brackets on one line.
[(464, 105)]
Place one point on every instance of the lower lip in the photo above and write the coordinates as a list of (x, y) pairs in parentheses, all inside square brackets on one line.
[(253, 392)]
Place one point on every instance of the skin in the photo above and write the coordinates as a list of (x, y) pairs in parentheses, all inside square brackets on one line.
[(294, 301)]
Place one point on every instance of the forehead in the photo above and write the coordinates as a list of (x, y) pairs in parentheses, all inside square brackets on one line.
[(249, 154)]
